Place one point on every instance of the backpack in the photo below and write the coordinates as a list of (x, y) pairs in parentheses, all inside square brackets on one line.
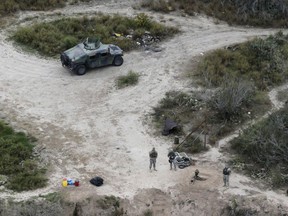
[(97, 181)]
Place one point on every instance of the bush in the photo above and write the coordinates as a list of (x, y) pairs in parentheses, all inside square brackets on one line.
[(176, 105), (265, 144), (127, 80), (11, 6), (230, 98), (16, 151), (257, 13), (262, 61), (52, 38), (182, 108), (148, 212), (27, 181), (192, 145)]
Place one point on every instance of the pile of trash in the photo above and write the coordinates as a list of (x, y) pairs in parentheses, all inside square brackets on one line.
[(146, 40)]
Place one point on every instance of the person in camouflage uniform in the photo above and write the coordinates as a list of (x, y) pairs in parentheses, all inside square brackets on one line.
[(172, 159), (153, 156)]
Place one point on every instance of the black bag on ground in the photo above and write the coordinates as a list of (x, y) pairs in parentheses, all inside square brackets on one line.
[(97, 181)]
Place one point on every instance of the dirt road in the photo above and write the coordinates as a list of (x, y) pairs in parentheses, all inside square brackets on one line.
[(87, 127)]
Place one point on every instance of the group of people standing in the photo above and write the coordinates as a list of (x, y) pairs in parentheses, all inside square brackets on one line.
[(173, 163), (153, 154)]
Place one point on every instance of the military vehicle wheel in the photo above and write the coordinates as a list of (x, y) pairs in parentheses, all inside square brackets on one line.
[(80, 70), (118, 60)]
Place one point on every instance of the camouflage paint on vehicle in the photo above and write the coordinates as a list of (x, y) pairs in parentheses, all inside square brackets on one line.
[(91, 54)]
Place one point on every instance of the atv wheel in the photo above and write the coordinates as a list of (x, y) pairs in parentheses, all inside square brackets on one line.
[(181, 166), (118, 61), (80, 70)]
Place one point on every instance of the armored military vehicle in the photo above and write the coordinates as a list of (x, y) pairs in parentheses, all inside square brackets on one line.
[(91, 53)]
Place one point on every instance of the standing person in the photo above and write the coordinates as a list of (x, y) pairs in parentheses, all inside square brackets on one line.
[(226, 174), (153, 156), (172, 156)]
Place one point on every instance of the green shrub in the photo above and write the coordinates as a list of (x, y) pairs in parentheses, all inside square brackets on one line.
[(143, 21), (27, 181), (278, 178), (11, 6), (183, 108), (16, 151), (262, 61), (259, 13), (148, 212), (52, 197), (69, 42), (127, 80), (230, 98), (159, 5), (192, 145), (52, 38), (108, 202), (176, 103), (265, 145)]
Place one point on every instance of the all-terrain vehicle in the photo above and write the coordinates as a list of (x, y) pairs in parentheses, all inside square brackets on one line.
[(91, 53), (182, 160)]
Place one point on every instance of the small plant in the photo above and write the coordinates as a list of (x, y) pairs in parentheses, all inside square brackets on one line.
[(52, 197), (108, 202), (111, 202), (148, 212), (127, 80), (143, 21)]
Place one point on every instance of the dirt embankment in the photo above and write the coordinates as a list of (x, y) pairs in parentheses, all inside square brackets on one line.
[(87, 127)]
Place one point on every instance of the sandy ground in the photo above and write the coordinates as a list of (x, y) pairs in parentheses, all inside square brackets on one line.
[(88, 127)]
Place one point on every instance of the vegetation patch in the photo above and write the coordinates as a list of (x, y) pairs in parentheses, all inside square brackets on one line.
[(184, 109), (127, 80), (262, 61), (193, 144), (148, 212), (12, 6), (238, 77), (52, 197), (111, 202), (178, 106), (52, 38), (263, 147), (282, 96), (256, 13), (242, 74), (17, 160)]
